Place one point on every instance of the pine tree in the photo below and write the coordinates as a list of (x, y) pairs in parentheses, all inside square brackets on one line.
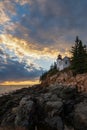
[(85, 66), (79, 57)]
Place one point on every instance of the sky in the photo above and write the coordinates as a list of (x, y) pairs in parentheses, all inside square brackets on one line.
[(34, 32)]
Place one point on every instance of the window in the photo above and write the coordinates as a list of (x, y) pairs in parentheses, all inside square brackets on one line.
[(65, 62)]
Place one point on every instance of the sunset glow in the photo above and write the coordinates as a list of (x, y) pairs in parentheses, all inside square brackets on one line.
[(34, 32), (20, 83)]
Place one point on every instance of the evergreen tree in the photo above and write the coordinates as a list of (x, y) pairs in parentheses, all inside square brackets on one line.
[(79, 57), (85, 66)]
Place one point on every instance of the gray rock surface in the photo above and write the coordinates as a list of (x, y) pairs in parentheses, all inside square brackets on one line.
[(55, 123), (56, 107), (25, 108), (80, 116)]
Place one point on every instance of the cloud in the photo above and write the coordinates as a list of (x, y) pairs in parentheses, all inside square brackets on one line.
[(36, 31), (48, 24), (45, 23), (23, 48), (17, 71), (7, 9), (3, 17), (23, 2)]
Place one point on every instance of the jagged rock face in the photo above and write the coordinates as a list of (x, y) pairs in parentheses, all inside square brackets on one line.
[(67, 78), (56, 107), (29, 114), (80, 116), (26, 107), (55, 123), (53, 105)]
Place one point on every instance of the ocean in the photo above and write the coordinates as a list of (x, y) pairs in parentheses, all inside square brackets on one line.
[(4, 89)]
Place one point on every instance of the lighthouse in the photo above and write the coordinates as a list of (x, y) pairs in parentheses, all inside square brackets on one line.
[(59, 63), (63, 63)]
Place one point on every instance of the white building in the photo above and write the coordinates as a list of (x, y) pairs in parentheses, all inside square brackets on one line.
[(62, 63)]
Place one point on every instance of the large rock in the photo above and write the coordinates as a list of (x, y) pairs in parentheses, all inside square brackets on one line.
[(25, 112), (47, 96), (68, 93), (30, 114), (54, 97), (53, 108), (8, 119), (80, 116), (55, 123), (50, 97), (50, 105)]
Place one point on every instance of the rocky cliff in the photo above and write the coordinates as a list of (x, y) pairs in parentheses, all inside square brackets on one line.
[(67, 78), (53, 107)]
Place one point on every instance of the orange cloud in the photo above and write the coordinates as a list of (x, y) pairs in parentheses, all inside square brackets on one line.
[(34, 50), (3, 17), (20, 82), (6, 6)]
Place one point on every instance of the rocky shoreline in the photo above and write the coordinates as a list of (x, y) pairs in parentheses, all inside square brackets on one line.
[(56, 107)]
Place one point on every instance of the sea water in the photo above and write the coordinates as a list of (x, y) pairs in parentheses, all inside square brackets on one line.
[(4, 89)]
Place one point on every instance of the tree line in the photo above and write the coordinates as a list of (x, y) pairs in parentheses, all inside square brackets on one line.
[(79, 57)]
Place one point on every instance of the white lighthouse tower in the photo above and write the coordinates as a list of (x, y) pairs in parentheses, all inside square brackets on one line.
[(59, 63)]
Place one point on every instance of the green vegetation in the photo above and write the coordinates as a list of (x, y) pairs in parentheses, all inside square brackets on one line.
[(53, 69), (79, 57), (43, 76)]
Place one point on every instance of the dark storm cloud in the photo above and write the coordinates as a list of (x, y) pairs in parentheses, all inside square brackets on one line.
[(15, 71), (48, 20)]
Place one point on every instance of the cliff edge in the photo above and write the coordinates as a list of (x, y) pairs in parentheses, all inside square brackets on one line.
[(66, 78)]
